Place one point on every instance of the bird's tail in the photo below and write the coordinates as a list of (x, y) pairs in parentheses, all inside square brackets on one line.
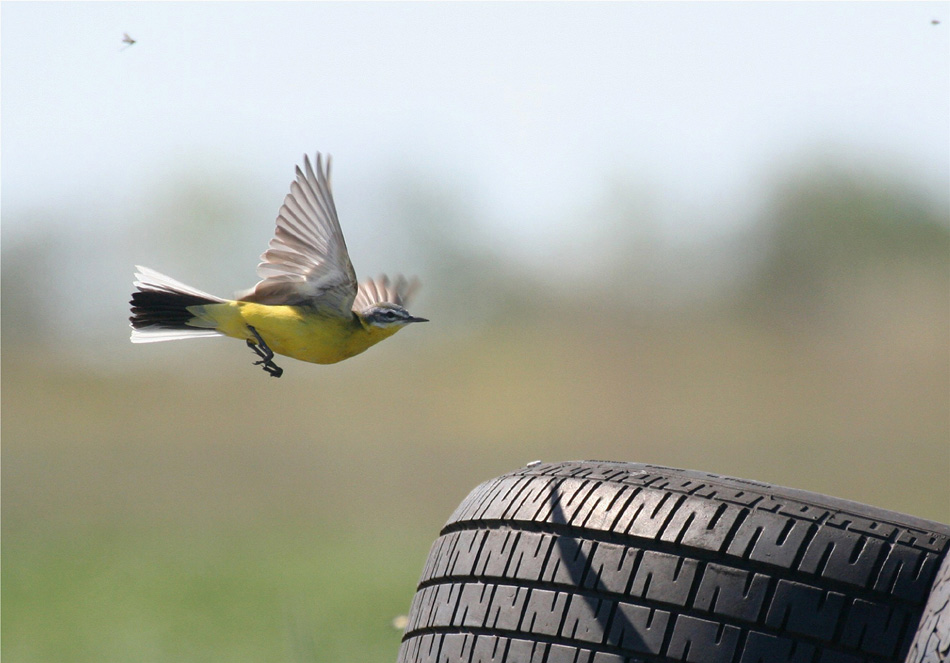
[(160, 308)]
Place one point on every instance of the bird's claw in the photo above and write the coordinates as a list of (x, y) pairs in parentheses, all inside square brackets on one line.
[(265, 353)]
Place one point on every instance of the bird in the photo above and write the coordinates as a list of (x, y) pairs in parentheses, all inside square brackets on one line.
[(308, 304), (127, 40)]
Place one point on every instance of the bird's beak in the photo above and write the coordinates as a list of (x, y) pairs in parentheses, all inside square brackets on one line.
[(418, 320)]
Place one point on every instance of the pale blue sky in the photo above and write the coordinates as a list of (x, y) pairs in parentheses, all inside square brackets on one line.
[(527, 107)]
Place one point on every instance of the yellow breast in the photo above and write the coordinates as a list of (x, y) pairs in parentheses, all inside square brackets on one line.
[(293, 331)]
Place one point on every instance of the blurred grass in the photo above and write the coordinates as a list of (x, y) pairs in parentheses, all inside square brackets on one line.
[(172, 502), (170, 593)]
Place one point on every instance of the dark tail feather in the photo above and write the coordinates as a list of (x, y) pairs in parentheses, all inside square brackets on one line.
[(165, 310)]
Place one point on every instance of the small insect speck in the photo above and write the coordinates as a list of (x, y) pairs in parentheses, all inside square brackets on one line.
[(127, 40), (935, 22)]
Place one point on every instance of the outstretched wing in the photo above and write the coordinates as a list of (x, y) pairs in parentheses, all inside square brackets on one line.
[(381, 289), (306, 263)]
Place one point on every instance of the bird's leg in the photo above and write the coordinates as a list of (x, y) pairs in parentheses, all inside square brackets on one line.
[(265, 353)]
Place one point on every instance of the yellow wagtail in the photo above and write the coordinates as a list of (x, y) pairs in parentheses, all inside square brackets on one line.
[(308, 304)]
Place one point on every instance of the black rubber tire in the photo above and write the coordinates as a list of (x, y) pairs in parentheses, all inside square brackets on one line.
[(596, 562), (932, 642)]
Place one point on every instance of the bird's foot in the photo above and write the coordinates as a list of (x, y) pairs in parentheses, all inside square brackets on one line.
[(265, 353)]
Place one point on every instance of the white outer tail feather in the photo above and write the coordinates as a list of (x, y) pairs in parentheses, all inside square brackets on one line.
[(149, 279), (157, 335)]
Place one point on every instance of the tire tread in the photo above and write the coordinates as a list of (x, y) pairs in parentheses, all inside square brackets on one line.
[(633, 562)]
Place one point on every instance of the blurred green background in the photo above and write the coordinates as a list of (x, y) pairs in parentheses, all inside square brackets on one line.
[(171, 502)]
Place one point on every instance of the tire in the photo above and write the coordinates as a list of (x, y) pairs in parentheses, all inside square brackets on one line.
[(597, 562), (932, 641)]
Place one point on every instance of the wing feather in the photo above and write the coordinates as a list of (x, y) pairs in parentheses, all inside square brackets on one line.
[(306, 262), (379, 290)]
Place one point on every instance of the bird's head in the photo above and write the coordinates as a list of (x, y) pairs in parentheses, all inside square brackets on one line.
[(385, 315)]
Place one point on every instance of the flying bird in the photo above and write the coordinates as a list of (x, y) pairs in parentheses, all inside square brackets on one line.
[(308, 304), (127, 40)]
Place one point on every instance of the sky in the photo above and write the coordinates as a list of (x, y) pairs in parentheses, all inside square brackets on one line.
[(527, 109)]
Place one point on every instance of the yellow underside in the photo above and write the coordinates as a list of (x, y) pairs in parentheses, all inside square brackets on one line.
[(292, 331)]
